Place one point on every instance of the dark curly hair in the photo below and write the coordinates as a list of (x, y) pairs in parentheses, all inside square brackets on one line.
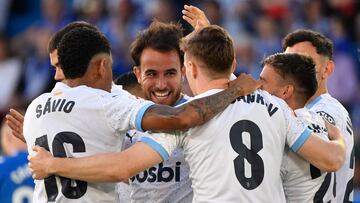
[(162, 37), (297, 68), (78, 47), (56, 37), (323, 45)]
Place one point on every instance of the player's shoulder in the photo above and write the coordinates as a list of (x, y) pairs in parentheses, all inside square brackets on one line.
[(38, 100), (327, 102), (308, 114), (329, 108)]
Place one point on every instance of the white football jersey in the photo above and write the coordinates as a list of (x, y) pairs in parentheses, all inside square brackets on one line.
[(236, 156), (165, 182), (124, 191), (301, 180), (78, 122), (335, 113)]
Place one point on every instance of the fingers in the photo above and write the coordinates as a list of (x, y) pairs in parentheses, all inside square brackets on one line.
[(13, 123), (189, 14), (193, 9), (189, 20), (327, 124), (16, 127), (36, 148), (17, 115)]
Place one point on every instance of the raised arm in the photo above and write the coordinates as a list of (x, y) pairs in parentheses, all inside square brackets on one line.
[(110, 167), (195, 17), (15, 120), (325, 155), (166, 119)]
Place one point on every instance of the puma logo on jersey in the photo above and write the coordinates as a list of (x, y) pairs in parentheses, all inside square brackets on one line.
[(56, 105), (159, 174)]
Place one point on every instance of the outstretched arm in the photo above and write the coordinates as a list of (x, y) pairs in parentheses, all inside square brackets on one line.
[(325, 155), (110, 167), (166, 119), (15, 120)]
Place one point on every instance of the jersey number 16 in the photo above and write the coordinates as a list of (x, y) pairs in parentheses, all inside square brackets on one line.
[(70, 188)]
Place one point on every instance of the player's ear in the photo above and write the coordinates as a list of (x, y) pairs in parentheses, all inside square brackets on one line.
[(182, 72), (193, 68), (233, 65), (101, 68), (137, 72), (288, 91), (329, 69)]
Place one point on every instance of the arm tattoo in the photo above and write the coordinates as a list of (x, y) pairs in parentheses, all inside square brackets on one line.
[(208, 107), (200, 110)]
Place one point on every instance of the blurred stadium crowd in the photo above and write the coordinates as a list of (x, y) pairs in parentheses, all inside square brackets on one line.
[(257, 27)]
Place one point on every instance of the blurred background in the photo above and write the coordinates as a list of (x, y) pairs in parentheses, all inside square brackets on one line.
[(257, 27)]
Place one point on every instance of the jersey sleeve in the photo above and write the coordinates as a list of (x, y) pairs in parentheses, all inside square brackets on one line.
[(124, 111), (315, 123), (297, 131), (162, 143)]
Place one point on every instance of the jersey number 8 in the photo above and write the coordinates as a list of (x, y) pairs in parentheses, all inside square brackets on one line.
[(251, 155)]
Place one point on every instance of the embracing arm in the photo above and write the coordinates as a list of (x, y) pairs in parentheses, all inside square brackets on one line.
[(325, 155), (164, 118), (110, 167)]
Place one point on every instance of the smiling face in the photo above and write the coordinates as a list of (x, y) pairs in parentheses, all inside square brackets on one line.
[(160, 75)]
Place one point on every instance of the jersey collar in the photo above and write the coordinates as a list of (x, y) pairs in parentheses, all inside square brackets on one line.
[(316, 100)]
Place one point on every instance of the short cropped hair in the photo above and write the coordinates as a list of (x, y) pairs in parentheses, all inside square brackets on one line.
[(56, 37), (213, 46), (297, 68), (126, 79), (162, 37), (323, 45), (78, 47)]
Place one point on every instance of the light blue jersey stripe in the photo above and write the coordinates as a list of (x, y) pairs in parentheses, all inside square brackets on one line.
[(182, 100), (140, 115), (309, 106), (156, 146), (301, 140)]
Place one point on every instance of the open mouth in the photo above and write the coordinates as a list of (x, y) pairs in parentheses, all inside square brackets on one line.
[(161, 95)]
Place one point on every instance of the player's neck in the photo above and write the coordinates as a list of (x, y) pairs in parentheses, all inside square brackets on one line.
[(294, 104), (181, 95), (205, 85), (321, 90), (83, 81)]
